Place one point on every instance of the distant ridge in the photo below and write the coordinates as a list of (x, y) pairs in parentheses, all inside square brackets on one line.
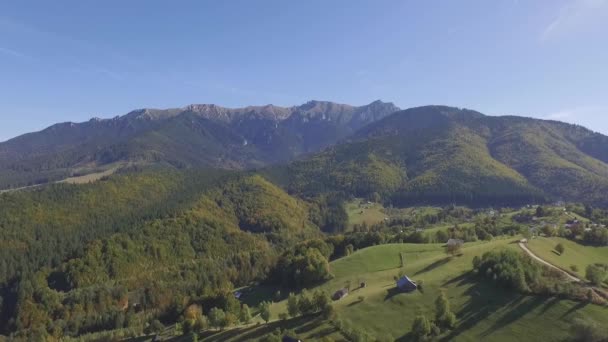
[(440, 154), (192, 136)]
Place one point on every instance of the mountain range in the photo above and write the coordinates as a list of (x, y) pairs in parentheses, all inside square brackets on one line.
[(424, 154), (192, 136)]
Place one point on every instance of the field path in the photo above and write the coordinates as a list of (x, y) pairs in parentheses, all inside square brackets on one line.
[(535, 257)]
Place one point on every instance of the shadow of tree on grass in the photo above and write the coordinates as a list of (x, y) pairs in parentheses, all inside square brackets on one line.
[(433, 266)]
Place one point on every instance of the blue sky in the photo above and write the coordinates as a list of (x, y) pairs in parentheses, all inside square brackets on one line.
[(73, 60)]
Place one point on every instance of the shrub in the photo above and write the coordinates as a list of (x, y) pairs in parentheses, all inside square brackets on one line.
[(584, 330), (597, 273)]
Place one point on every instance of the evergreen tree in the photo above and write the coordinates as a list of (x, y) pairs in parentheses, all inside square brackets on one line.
[(245, 314), (421, 328), (293, 309), (265, 311), (442, 307), (216, 317)]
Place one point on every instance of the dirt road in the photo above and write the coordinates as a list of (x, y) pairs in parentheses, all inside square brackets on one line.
[(535, 257)]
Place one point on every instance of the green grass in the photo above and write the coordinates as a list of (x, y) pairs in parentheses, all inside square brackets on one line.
[(359, 212), (485, 311), (309, 328), (92, 177), (574, 254)]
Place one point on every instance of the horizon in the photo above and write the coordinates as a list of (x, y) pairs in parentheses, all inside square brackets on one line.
[(110, 117), (543, 60)]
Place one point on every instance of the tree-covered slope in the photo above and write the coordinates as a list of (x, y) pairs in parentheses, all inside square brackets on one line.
[(442, 154), (66, 244)]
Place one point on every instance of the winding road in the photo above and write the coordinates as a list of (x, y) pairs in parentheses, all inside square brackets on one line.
[(535, 257)]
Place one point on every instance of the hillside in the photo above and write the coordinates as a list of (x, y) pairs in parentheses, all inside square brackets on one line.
[(65, 244), (485, 310), (441, 154), (192, 136)]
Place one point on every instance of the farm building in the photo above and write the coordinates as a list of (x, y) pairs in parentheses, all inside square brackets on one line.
[(340, 294), (454, 242), (406, 284), (290, 339)]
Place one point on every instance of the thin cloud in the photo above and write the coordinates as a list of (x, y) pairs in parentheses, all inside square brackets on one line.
[(576, 15), (109, 73), (69, 62), (578, 113), (562, 115), (11, 52), (91, 70), (591, 117)]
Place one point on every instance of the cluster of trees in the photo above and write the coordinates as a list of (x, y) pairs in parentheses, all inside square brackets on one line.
[(328, 213), (597, 236), (598, 215), (509, 268), (519, 272), (306, 304), (278, 334), (585, 330), (448, 214), (305, 265), (445, 319), (225, 311), (597, 273), (354, 333)]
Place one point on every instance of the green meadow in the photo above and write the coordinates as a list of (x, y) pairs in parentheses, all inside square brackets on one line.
[(574, 254), (360, 212), (485, 311)]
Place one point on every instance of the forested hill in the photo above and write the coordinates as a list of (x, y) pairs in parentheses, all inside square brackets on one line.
[(72, 255), (439, 154), (192, 136)]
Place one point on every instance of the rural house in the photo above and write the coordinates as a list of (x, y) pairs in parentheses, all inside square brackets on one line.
[(340, 294), (405, 284), (290, 339), (454, 242)]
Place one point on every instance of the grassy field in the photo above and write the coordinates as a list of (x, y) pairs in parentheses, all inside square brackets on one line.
[(91, 177), (574, 254), (88, 178), (359, 212), (484, 311)]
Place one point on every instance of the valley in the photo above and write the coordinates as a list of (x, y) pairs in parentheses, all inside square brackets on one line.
[(304, 171), (143, 247)]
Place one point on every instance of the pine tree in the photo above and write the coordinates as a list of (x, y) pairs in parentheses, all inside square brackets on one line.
[(293, 308), (265, 311), (245, 314), (421, 327)]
